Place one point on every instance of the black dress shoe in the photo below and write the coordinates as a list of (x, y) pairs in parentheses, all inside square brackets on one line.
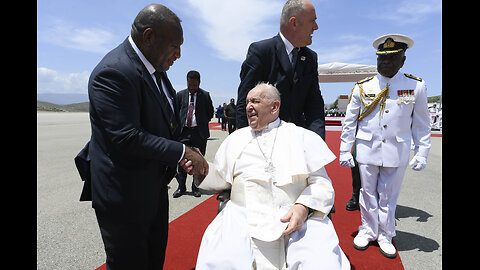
[(197, 193), (352, 204), (179, 192)]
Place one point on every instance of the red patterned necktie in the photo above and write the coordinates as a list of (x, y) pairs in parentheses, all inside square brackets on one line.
[(190, 111)]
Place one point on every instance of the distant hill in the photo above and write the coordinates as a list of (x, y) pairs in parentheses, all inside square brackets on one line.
[(52, 107), (62, 98), (434, 99)]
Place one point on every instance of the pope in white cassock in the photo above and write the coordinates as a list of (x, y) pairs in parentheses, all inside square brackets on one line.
[(280, 196)]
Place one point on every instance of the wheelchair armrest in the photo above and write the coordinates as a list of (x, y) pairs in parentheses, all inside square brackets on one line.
[(224, 195), (331, 212)]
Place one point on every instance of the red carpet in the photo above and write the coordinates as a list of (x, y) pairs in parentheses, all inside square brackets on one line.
[(215, 126), (185, 232), (332, 122)]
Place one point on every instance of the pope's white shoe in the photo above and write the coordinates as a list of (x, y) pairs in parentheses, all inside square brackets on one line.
[(387, 250), (360, 242)]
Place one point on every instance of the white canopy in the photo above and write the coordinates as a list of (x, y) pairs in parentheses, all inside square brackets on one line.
[(344, 72)]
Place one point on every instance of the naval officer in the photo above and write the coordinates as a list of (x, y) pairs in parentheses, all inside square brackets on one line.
[(388, 111)]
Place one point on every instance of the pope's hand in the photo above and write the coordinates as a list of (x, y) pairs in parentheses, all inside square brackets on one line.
[(295, 217), (346, 159), (418, 163)]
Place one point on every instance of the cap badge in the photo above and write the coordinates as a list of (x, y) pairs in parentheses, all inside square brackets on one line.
[(389, 43)]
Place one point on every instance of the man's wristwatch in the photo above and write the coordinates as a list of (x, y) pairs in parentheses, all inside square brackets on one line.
[(310, 212)]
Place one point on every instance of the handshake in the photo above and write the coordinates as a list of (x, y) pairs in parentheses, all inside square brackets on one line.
[(194, 163)]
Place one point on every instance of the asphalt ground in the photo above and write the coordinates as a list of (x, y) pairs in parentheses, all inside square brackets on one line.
[(68, 236), (419, 213)]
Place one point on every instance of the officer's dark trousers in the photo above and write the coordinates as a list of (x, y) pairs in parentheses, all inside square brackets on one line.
[(356, 183)]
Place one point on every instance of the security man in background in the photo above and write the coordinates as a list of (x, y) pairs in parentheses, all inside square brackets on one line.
[(385, 112), (195, 108)]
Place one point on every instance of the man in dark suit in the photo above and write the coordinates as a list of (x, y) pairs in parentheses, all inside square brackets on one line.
[(230, 114), (133, 148), (287, 63), (195, 109)]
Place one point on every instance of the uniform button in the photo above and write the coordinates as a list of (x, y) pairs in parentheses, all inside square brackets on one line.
[(385, 126), (387, 111), (384, 140)]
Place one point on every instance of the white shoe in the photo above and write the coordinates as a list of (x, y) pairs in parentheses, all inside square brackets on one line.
[(360, 242), (387, 250)]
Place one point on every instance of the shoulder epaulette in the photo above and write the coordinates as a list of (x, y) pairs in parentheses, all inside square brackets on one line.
[(412, 77), (365, 80)]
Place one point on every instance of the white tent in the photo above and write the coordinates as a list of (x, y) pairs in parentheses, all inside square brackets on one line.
[(344, 72)]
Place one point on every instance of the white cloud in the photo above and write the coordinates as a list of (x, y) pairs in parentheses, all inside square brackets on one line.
[(51, 81), (358, 50), (63, 34), (230, 26), (411, 11), (347, 54)]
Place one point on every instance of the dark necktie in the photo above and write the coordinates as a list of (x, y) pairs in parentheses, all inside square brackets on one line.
[(161, 76), (190, 111), (171, 114), (294, 57)]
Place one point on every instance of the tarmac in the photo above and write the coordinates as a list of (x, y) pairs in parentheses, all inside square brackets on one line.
[(68, 236)]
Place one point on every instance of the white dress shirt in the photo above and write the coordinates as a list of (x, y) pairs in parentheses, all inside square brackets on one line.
[(288, 46), (151, 70)]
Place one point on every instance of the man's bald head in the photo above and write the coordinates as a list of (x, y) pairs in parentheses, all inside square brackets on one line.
[(153, 16), (158, 34)]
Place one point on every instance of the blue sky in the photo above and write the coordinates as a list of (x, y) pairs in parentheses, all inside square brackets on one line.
[(73, 36)]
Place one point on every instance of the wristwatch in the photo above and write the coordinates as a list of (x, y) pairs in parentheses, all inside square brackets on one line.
[(310, 212)]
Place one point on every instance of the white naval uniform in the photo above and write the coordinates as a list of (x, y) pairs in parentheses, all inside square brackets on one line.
[(383, 146), (248, 230)]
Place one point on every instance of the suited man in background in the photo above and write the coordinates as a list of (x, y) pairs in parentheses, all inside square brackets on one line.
[(195, 109), (231, 115), (287, 63), (134, 148)]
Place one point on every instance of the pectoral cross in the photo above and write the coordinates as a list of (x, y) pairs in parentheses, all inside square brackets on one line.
[(270, 169)]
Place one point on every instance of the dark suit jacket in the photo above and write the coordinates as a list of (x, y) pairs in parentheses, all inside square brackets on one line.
[(203, 110), (301, 99), (133, 152)]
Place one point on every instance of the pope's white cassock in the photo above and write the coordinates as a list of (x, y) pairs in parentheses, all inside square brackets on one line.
[(247, 233)]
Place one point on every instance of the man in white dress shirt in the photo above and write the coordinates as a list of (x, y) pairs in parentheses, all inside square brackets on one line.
[(384, 114), (281, 194)]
